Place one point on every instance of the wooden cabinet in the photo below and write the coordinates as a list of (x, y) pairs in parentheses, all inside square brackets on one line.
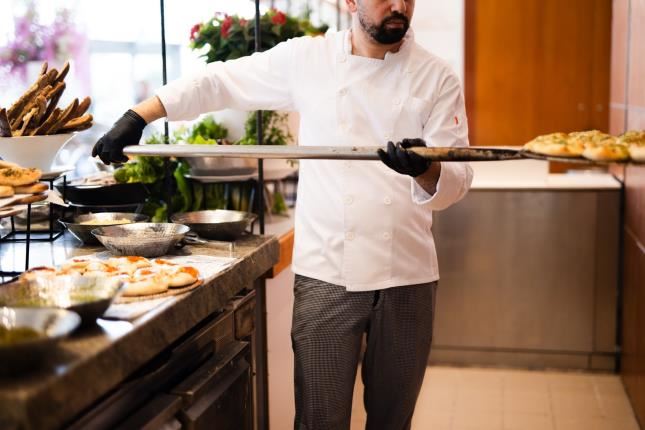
[(536, 66)]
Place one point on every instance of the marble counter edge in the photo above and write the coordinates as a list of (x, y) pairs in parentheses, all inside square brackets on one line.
[(50, 404)]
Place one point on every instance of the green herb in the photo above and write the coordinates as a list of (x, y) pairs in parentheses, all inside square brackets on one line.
[(13, 335), (274, 127)]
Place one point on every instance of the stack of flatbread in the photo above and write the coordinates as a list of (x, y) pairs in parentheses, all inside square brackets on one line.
[(22, 183), (141, 276), (593, 145), (36, 111)]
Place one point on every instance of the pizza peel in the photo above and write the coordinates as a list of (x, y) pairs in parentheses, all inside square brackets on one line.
[(319, 152)]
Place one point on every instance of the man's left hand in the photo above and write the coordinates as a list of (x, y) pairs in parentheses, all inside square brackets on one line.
[(402, 161)]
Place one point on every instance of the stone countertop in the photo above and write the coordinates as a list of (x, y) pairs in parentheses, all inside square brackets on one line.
[(96, 359)]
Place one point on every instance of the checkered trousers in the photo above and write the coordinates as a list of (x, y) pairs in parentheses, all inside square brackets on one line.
[(328, 326)]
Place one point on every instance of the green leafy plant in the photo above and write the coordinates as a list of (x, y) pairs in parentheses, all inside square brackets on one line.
[(274, 126)]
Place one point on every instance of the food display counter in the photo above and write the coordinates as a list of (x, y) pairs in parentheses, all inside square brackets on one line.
[(185, 362)]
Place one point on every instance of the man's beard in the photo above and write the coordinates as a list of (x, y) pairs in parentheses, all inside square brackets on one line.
[(381, 33)]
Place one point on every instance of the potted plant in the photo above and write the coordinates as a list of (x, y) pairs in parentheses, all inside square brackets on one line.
[(227, 37)]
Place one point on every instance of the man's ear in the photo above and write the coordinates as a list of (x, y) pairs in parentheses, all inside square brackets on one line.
[(352, 5)]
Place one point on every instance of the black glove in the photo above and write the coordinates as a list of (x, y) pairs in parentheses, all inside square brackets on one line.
[(126, 131), (402, 161)]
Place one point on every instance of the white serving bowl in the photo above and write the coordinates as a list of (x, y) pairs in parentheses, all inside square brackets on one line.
[(33, 151)]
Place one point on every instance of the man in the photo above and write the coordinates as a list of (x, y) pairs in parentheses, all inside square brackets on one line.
[(364, 256)]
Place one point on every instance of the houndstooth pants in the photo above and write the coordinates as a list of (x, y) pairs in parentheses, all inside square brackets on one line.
[(327, 331)]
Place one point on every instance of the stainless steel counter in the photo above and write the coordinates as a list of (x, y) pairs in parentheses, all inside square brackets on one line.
[(529, 277)]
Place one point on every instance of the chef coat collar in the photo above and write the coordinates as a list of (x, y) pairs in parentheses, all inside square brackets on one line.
[(408, 41)]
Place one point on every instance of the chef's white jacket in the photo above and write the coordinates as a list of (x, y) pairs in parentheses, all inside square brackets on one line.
[(357, 223)]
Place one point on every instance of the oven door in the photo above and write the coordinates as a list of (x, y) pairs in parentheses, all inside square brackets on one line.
[(218, 395)]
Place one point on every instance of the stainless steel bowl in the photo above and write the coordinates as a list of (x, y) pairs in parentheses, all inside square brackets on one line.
[(142, 239), (220, 166), (51, 325), (83, 232), (216, 224), (88, 296)]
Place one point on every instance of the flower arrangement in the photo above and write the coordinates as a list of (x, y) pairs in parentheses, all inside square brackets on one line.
[(35, 41), (228, 37)]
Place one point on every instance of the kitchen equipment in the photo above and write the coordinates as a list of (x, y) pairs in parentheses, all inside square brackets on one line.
[(216, 224), (48, 325), (83, 232), (142, 239), (88, 296), (216, 166), (103, 195), (33, 151), (319, 152)]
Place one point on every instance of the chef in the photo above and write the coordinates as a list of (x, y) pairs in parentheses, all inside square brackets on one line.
[(364, 255)]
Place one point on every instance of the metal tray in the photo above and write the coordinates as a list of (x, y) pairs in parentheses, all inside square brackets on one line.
[(216, 224), (83, 232)]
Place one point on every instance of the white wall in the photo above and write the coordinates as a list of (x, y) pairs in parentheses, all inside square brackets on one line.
[(439, 27)]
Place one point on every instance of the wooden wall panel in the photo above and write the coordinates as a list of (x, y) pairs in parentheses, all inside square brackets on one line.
[(628, 111), (535, 67)]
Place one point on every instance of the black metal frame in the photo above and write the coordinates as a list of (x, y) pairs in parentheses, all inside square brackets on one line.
[(16, 236), (261, 368)]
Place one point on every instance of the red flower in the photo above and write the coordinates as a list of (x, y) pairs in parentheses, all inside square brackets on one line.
[(226, 26), (194, 30), (243, 22), (279, 18)]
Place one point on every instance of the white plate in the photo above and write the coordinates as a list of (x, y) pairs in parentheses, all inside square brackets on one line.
[(56, 172)]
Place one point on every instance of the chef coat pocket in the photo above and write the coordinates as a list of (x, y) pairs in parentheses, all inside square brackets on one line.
[(413, 116)]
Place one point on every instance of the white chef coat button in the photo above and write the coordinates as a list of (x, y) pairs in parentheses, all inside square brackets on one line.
[(396, 101), (342, 91), (349, 235), (342, 58), (349, 200), (388, 137), (387, 201), (387, 235)]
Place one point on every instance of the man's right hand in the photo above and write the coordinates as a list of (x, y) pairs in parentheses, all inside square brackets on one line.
[(126, 131)]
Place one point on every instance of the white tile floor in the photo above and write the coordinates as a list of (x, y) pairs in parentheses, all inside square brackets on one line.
[(495, 399)]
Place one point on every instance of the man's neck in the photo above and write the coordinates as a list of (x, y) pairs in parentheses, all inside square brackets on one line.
[(364, 46)]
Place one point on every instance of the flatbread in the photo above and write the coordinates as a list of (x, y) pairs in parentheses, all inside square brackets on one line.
[(19, 176), (184, 275), (633, 137), (144, 286), (637, 152), (6, 191), (39, 187), (611, 152), (555, 144)]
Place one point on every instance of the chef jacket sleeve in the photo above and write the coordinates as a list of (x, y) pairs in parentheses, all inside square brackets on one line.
[(446, 126), (259, 81)]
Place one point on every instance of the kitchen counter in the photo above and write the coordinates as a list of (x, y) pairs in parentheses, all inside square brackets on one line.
[(534, 175), (97, 359)]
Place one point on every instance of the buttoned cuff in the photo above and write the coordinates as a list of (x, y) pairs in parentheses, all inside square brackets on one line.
[(453, 184)]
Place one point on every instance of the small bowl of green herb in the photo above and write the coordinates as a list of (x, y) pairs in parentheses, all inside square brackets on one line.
[(88, 296), (27, 335)]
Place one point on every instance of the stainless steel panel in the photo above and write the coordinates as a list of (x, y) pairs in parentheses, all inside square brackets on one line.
[(509, 359), (519, 272)]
